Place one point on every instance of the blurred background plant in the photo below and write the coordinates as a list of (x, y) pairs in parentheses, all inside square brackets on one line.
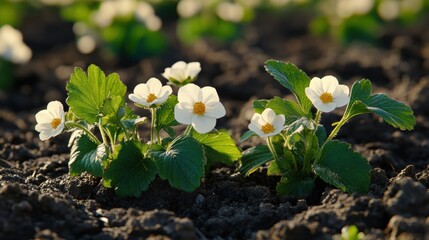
[(131, 30)]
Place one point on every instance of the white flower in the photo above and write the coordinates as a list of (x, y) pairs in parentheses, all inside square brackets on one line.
[(326, 94), (199, 107), (12, 47), (50, 121), (150, 93), (182, 73), (267, 124)]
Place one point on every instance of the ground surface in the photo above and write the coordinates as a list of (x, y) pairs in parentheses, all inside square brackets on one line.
[(39, 200)]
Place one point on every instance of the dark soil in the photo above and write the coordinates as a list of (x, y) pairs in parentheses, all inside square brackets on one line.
[(39, 200)]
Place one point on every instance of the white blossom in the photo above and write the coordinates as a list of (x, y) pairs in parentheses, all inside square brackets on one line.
[(199, 107), (326, 94), (181, 73), (12, 47), (150, 93), (267, 123), (50, 121)]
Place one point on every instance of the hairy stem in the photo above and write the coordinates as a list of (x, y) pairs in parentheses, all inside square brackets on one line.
[(87, 132), (272, 149)]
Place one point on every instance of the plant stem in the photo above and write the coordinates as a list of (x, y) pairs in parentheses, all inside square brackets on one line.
[(188, 131), (272, 149), (317, 118), (152, 125), (336, 129), (89, 133), (103, 135)]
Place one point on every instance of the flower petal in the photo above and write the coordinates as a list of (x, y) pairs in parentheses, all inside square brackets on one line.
[(328, 107), (44, 116), (190, 93), (164, 94), (215, 110), (311, 94), (182, 114), (167, 73), (203, 124), (268, 115), (56, 108), (316, 85), (179, 65), (141, 90), (193, 69), (279, 122), (255, 128), (178, 74), (341, 95), (329, 83), (58, 130), (209, 95), (45, 135), (140, 100), (154, 86), (43, 127)]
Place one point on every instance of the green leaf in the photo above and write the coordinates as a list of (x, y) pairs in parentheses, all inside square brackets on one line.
[(86, 156), (253, 158), (292, 78), (340, 166), (361, 90), (182, 164), (283, 165), (87, 94), (392, 111), (321, 134), (246, 135), (259, 105), (113, 109), (219, 147), (165, 114), (130, 172), (289, 109), (294, 185)]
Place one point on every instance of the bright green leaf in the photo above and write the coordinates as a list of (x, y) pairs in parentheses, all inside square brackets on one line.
[(86, 156), (292, 78), (340, 166), (393, 112), (219, 147), (294, 185), (182, 164), (361, 90), (88, 93), (253, 158), (165, 114), (289, 109), (130, 172)]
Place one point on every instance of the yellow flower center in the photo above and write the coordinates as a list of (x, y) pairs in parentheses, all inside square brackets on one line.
[(151, 98), (199, 108), (55, 122), (267, 128), (326, 97)]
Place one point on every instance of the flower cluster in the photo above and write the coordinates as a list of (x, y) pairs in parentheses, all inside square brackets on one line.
[(116, 153), (298, 148)]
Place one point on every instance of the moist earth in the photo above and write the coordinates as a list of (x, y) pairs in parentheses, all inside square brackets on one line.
[(39, 200)]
